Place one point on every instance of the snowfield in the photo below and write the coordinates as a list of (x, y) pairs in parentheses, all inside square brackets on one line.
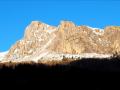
[(60, 57), (49, 56), (45, 56)]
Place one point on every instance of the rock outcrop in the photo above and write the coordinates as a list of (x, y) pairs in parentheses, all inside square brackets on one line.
[(41, 39)]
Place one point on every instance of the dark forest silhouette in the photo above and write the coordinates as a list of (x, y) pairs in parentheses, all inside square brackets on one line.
[(83, 71)]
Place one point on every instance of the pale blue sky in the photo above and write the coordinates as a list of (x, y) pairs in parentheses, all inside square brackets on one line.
[(16, 15)]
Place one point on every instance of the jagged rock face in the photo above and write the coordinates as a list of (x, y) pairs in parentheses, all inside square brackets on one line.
[(112, 34), (67, 38), (36, 39)]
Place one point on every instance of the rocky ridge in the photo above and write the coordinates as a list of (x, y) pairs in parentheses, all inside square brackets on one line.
[(42, 40)]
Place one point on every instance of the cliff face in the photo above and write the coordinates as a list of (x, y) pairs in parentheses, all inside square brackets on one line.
[(40, 39)]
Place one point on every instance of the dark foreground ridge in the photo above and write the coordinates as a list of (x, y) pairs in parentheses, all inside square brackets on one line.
[(85, 71)]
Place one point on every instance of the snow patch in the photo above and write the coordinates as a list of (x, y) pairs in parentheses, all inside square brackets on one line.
[(95, 28), (51, 31), (101, 31), (2, 55)]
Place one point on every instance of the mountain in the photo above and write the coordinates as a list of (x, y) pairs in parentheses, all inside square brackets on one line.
[(44, 42)]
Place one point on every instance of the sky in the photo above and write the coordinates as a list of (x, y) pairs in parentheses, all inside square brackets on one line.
[(16, 15)]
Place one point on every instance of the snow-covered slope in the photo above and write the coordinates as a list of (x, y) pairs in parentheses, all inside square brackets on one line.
[(2, 55)]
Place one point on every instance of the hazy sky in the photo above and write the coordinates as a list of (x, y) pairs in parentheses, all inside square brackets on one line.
[(16, 15)]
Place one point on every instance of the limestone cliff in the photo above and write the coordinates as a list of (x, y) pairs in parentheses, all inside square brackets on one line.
[(40, 39)]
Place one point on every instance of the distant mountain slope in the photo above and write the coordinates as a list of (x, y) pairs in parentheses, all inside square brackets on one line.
[(2, 55)]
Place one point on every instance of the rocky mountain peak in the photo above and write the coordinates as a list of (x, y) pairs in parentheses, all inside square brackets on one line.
[(41, 40), (66, 24)]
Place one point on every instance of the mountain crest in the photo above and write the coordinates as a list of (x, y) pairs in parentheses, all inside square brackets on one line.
[(44, 41)]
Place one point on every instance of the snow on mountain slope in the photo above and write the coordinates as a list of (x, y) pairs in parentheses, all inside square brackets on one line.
[(2, 55), (95, 28), (97, 31)]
